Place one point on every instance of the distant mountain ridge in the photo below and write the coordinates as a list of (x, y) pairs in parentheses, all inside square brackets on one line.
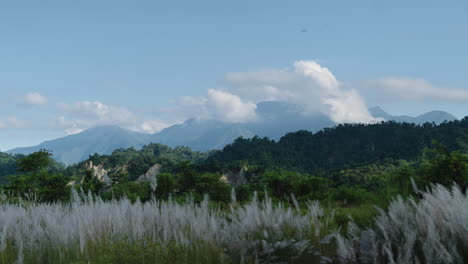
[(436, 117), (275, 120), (77, 147)]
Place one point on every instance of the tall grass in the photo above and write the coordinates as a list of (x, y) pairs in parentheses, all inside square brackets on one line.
[(431, 229), (88, 229)]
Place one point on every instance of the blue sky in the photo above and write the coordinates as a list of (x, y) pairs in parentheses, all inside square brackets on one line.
[(144, 65)]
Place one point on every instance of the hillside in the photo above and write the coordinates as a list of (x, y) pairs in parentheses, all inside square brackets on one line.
[(130, 163), (77, 147), (436, 117), (275, 119), (344, 146), (331, 149)]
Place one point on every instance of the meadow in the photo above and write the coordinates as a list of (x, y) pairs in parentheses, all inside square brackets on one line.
[(429, 228)]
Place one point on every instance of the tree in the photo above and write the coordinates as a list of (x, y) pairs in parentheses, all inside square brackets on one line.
[(36, 179), (35, 161), (91, 183), (211, 184), (445, 167), (166, 184)]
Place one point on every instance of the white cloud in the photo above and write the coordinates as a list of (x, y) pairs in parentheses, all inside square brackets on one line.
[(71, 126), (321, 75), (85, 114), (154, 126), (218, 104), (412, 89), (33, 99), (12, 122), (230, 107), (99, 111), (308, 84)]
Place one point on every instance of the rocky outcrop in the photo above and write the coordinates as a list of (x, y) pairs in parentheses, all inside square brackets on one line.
[(235, 178), (151, 173), (150, 176), (99, 172)]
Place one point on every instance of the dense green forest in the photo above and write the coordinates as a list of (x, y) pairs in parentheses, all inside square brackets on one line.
[(269, 201), (7, 166), (344, 146), (348, 164)]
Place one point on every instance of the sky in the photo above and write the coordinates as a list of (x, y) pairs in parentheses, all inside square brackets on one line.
[(145, 65)]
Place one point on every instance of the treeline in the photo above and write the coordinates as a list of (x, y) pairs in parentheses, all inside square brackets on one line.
[(7, 166), (347, 165), (129, 164), (342, 147), (374, 184)]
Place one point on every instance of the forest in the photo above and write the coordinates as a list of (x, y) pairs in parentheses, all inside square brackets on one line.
[(375, 193)]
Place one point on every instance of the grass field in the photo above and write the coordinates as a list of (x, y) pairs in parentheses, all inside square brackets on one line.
[(430, 229)]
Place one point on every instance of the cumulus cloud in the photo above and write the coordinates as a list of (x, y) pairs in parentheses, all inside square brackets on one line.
[(154, 126), (307, 84), (311, 86), (394, 88), (218, 104), (103, 113), (321, 75), (85, 114), (230, 107), (12, 122), (33, 99), (71, 126)]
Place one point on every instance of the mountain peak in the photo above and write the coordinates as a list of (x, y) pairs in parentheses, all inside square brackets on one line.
[(436, 116), (276, 119), (376, 112), (99, 139)]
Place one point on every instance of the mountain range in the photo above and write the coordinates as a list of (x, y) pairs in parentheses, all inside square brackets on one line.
[(275, 119)]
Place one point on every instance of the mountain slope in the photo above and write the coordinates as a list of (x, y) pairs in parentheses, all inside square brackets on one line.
[(275, 119), (77, 147), (436, 117)]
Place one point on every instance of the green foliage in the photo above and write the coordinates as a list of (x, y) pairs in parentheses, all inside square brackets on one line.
[(349, 195), (125, 252), (8, 165), (52, 187), (166, 185), (283, 183), (90, 183), (140, 164), (363, 215), (38, 179), (210, 183), (131, 190), (129, 164), (349, 165), (314, 188), (186, 176), (445, 167), (344, 146), (35, 161)]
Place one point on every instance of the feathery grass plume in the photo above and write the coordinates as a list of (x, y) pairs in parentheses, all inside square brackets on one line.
[(432, 230), (88, 228)]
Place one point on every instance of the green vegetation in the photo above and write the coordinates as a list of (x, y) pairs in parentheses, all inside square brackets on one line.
[(349, 170), (343, 147), (349, 165), (7, 166)]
